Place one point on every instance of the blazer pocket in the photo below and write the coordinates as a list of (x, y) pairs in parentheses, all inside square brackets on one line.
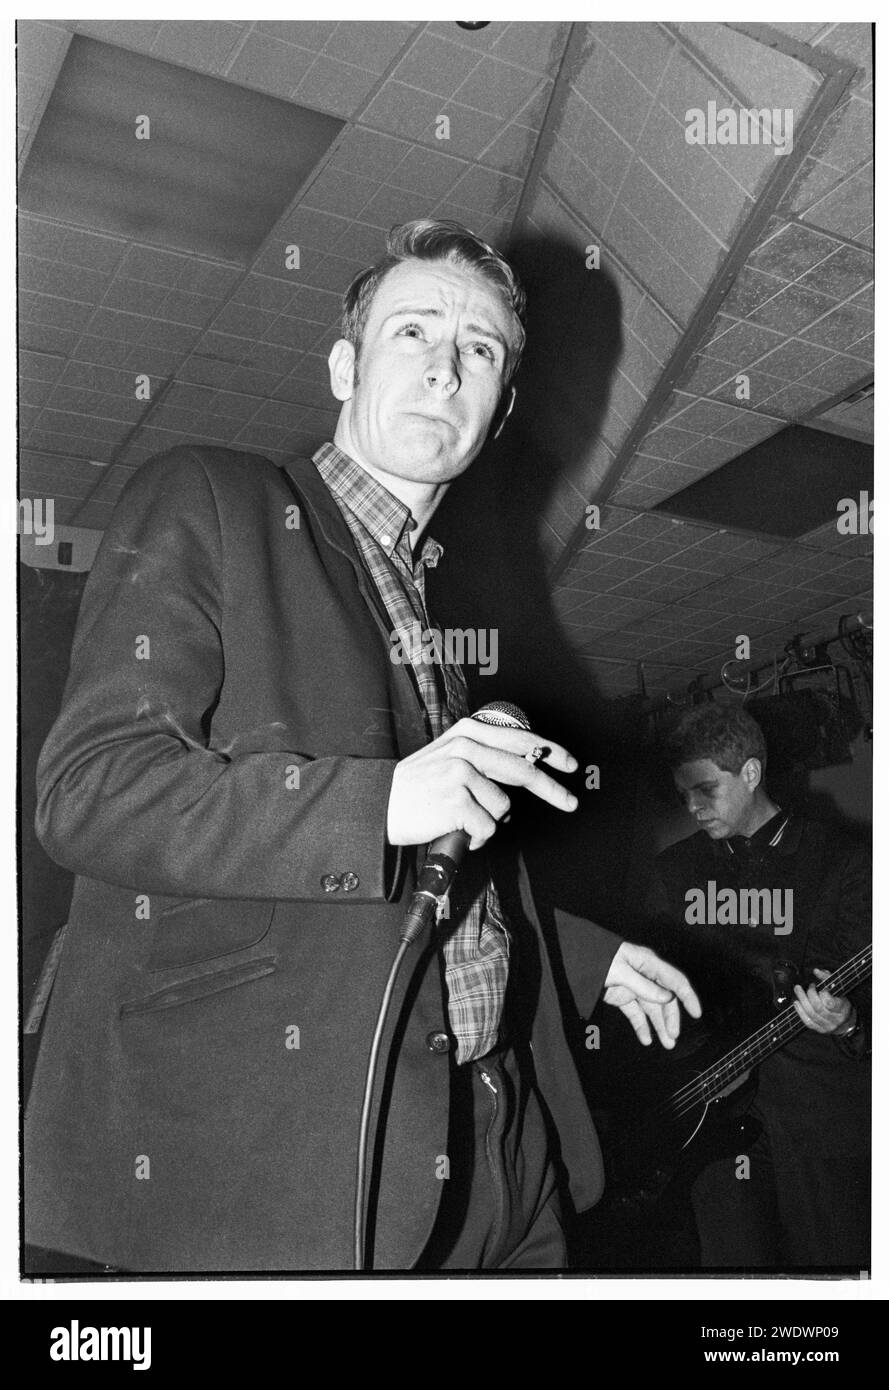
[(202, 929), (200, 986)]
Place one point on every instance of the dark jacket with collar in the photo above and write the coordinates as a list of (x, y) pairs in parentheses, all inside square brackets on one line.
[(218, 781), (737, 967), (813, 1095)]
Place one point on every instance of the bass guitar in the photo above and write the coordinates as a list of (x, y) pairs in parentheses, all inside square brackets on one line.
[(649, 1155)]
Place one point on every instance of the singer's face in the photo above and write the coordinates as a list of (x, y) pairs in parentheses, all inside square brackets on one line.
[(419, 401)]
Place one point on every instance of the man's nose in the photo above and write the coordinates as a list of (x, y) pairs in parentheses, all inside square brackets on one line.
[(442, 372)]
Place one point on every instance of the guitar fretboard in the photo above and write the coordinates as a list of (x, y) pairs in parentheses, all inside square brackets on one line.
[(764, 1041)]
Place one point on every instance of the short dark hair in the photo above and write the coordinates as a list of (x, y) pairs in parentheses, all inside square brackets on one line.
[(430, 240), (724, 734)]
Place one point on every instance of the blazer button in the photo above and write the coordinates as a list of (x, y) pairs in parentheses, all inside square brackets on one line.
[(330, 883), (438, 1042), (350, 882)]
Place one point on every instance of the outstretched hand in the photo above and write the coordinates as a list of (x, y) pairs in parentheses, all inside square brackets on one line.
[(649, 991)]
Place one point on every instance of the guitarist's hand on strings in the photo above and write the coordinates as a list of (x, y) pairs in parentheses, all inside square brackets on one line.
[(822, 1012), (648, 991)]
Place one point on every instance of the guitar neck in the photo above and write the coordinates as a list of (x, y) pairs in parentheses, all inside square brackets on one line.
[(767, 1039)]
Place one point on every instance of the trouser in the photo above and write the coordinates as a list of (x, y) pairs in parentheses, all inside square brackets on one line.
[(787, 1207), (500, 1208)]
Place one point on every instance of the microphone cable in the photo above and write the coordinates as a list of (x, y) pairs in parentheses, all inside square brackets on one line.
[(442, 862)]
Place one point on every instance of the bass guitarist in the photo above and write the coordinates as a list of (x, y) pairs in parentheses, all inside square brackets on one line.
[(762, 897)]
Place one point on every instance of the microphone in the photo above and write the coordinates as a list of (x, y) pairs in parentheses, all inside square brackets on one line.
[(444, 854)]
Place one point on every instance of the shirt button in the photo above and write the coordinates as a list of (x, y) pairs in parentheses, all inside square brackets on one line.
[(438, 1042), (350, 882), (330, 883), (385, 539)]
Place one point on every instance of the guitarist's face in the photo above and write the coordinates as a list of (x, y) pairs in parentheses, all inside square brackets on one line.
[(723, 803)]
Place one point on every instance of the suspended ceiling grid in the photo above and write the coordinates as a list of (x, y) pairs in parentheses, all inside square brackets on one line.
[(792, 309), (570, 131)]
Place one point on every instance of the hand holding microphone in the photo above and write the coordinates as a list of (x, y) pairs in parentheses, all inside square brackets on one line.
[(456, 782), (447, 795)]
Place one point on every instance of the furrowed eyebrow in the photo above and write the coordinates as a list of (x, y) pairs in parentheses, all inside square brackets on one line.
[(488, 333), (484, 330), (412, 309)]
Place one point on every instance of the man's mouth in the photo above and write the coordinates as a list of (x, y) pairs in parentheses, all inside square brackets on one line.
[(437, 419)]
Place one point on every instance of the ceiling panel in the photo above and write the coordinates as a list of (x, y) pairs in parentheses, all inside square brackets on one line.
[(707, 279)]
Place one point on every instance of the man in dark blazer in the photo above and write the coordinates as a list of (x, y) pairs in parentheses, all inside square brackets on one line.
[(242, 777)]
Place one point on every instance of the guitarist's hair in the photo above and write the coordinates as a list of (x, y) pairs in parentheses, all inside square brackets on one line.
[(724, 734)]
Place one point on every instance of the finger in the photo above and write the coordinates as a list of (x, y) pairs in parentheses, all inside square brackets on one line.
[(637, 1018), (811, 1015), (805, 1003), (673, 1018), (673, 981), (513, 771), (493, 798), (519, 742), (657, 1016), (471, 816), (644, 988), (823, 1002)]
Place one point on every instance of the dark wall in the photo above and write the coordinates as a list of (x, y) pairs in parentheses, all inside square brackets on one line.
[(495, 574)]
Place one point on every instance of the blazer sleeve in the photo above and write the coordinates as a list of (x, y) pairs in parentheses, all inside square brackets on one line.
[(129, 790), (587, 952)]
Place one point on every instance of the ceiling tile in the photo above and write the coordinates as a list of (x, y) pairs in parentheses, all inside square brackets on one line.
[(431, 172), (535, 45), (497, 87), (793, 309), (311, 34), (840, 373), (844, 273), (793, 251), (339, 88), (840, 327), (793, 359), (643, 48), (197, 43), (512, 151), (371, 44), (398, 107), (270, 65), (435, 65), (368, 152)]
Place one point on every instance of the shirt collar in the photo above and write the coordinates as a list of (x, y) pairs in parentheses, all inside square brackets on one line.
[(771, 835), (387, 519)]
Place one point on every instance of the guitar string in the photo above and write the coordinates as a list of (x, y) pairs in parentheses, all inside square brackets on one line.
[(765, 1039), (772, 1035)]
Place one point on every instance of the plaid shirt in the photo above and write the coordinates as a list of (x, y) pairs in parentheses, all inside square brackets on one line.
[(476, 947)]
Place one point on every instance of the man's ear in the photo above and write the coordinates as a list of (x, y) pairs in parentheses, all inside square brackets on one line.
[(342, 369), (504, 410), (752, 773)]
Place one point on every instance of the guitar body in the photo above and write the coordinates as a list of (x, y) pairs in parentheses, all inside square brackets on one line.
[(652, 1150)]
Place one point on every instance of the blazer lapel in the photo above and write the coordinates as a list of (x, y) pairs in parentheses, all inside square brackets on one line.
[(323, 515)]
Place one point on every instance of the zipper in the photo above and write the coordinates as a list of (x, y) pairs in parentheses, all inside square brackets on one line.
[(493, 1165)]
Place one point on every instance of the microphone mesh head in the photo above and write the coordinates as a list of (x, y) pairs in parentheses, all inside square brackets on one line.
[(503, 714)]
